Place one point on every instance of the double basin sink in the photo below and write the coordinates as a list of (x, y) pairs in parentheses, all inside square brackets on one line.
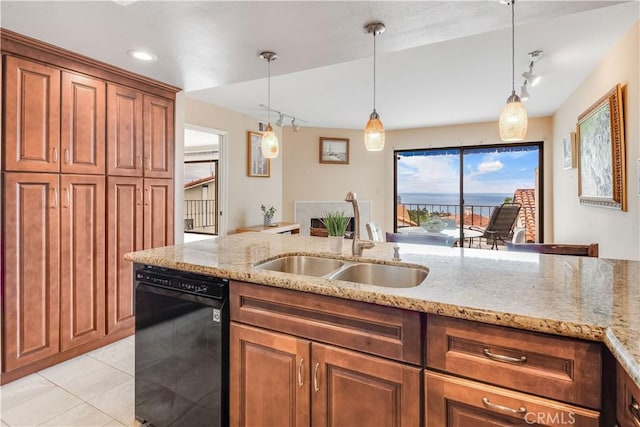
[(391, 276)]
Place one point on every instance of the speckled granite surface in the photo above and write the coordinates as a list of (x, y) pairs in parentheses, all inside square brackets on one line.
[(589, 298)]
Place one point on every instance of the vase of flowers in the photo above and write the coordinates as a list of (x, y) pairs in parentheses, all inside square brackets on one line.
[(267, 214), (336, 224)]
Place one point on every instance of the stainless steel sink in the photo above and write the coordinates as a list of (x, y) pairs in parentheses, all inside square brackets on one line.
[(302, 265), (386, 275), (390, 276)]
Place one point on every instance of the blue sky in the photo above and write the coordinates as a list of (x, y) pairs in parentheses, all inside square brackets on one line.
[(486, 172)]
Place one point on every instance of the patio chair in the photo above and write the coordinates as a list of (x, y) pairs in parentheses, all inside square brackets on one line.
[(500, 226), (555, 248), (375, 232), (422, 239)]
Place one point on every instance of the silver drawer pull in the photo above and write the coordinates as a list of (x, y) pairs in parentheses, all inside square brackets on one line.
[(300, 379), (316, 386), (502, 358), (521, 410), (634, 408)]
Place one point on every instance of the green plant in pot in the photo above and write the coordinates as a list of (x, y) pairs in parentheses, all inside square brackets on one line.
[(267, 214), (336, 224)]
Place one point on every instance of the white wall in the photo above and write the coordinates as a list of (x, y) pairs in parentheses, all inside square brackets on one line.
[(370, 174), (617, 232), (245, 194), (306, 179)]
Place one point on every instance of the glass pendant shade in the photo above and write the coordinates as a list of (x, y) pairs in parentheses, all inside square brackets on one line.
[(270, 147), (374, 133), (513, 120)]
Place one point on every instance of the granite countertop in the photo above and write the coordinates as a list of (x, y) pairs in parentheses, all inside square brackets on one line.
[(589, 298)]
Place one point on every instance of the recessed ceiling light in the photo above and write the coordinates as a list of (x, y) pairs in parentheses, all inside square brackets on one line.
[(142, 55), (124, 2)]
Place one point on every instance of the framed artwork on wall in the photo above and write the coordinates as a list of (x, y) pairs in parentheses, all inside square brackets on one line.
[(601, 148), (257, 165), (334, 150), (569, 160)]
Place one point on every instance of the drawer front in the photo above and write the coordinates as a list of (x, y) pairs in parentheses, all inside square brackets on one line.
[(560, 368), (383, 331), (628, 400), (451, 401)]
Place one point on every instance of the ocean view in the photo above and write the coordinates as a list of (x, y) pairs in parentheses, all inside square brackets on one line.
[(476, 199)]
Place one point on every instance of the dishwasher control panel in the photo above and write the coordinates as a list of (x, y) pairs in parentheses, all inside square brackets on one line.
[(212, 287)]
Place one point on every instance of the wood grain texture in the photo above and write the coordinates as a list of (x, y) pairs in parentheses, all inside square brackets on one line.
[(628, 400), (456, 402), (559, 368), (158, 212), (158, 137), (82, 257), (382, 331), (269, 378), (31, 116), (124, 131), (30, 303)]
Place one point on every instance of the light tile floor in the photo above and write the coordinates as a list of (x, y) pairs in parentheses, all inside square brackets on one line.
[(94, 389)]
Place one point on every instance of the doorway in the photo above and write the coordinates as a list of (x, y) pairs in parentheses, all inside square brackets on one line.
[(201, 183), (463, 185)]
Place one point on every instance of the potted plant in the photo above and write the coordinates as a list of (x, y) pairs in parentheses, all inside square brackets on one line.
[(336, 224), (267, 214)]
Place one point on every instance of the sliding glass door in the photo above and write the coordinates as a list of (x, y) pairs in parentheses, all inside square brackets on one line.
[(461, 186)]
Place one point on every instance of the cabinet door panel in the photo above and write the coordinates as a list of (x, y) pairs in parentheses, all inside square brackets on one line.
[(124, 131), (269, 380), (32, 116), (83, 124), (31, 275), (451, 401), (351, 389), (124, 225), (158, 213), (83, 259), (158, 137)]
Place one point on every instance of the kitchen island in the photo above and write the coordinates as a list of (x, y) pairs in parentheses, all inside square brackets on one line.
[(585, 298)]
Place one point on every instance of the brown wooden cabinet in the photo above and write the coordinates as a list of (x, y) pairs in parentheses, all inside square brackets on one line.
[(82, 124), (31, 282), (31, 116), (82, 256), (158, 213), (627, 398), (158, 137), (124, 131), (124, 234), (282, 380), (62, 296), (457, 402)]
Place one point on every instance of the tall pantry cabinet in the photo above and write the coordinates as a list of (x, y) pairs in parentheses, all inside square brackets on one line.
[(87, 175)]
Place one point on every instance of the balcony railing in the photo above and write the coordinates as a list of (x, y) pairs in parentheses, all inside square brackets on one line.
[(200, 215), (477, 215)]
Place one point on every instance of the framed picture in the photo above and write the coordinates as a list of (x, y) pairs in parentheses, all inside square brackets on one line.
[(334, 150), (569, 151), (601, 159), (257, 165)]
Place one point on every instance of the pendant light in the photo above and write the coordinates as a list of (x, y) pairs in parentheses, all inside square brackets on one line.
[(513, 120), (269, 144), (374, 131)]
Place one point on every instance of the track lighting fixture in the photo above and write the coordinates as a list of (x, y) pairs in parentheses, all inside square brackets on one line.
[(533, 79), (374, 130), (524, 94), (282, 116), (270, 146), (513, 120)]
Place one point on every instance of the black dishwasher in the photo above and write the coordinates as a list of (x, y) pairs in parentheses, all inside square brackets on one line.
[(182, 348)]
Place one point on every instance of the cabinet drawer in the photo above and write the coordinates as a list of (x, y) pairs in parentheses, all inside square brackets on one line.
[(560, 368), (383, 331), (628, 400), (451, 401)]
